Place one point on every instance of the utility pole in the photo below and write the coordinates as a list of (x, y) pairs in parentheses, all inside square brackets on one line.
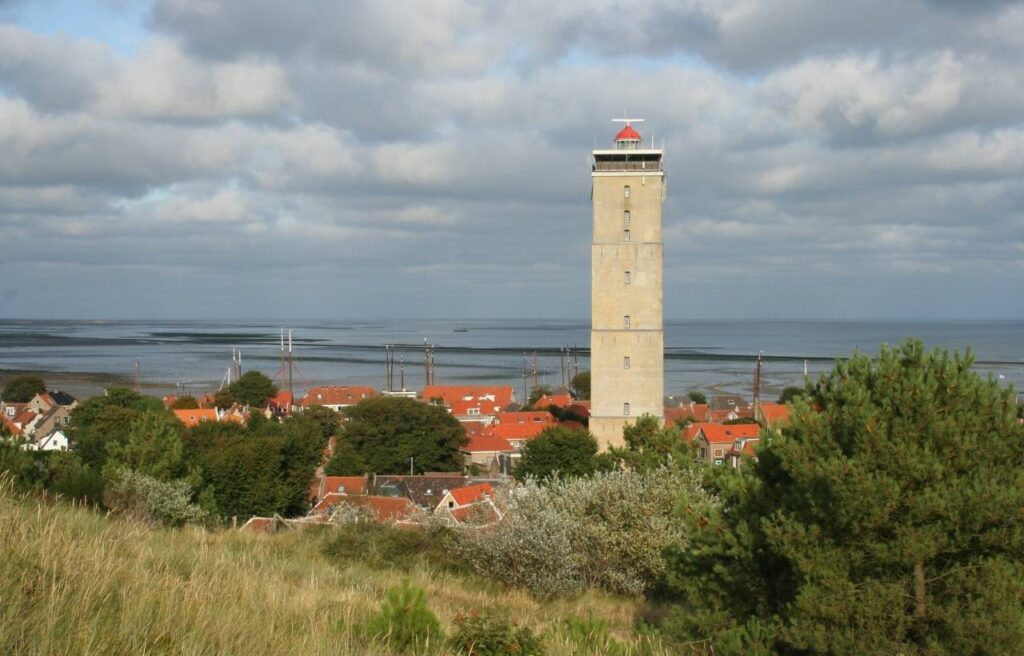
[(401, 371), (138, 377), (757, 386), (534, 370), (291, 362)]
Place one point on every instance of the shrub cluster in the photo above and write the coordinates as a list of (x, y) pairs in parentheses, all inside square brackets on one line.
[(488, 634), (149, 499), (382, 547), (607, 531)]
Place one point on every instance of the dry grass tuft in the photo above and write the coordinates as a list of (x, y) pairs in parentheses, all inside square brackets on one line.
[(73, 581)]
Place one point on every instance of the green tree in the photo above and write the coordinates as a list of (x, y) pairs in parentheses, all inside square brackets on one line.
[(72, 478), (697, 397), (345, 462), (580, 385), (792, 393), (536, 393), (153, 448), (649, 445), (252, 389), (21, 389), (387, 432), (328, 420), (885, 519), (559, 452), (185, 403), (111, 424)]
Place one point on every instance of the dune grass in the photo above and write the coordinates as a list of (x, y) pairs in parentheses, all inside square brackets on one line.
[(73, 581)]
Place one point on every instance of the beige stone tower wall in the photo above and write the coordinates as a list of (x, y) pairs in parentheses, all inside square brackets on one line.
[(616, 295)]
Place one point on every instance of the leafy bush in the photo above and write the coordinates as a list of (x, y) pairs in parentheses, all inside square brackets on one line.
[(382, 547), (148, 499), (591, 636), (405, 622), (607, 531), (488, 634)]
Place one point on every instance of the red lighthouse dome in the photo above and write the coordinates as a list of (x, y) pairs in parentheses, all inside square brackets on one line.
[(627, 134)]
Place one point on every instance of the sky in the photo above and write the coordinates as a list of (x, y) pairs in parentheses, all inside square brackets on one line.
[(358, 159)]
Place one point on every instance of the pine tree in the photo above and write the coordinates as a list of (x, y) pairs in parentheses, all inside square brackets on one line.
[(888, 518)]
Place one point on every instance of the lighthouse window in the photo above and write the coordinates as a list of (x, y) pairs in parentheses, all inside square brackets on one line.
[(625, 321), (625, 191), (625, 235), (625, 409), (625, 362), (626, 217), (629, 277)]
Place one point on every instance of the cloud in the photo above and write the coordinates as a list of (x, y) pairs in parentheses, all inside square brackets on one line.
[(330, 157)]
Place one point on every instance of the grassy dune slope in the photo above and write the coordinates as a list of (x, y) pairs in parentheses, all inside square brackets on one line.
[(75, 582)]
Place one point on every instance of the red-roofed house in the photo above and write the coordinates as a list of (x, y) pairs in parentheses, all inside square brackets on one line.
[(335, 397), (192, 417), (470, 402), (557, 400), (461, 503), (744, 446), (713, 441), (280, 405), (682, 413), (381, 509), (351, 485), (772, 415), (528, 417)]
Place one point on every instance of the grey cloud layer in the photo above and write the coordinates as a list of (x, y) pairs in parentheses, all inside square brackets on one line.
[(430, 158)]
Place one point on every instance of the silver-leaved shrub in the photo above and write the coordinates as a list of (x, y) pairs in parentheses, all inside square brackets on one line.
[(150, 499), (608, 530)]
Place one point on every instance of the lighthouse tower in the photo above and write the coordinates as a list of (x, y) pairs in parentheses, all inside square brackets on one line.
[(627, 339)]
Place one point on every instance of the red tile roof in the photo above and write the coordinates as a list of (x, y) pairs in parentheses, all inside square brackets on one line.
[(384, 509), (471, 493), (722, 434), (345, 395), (557, 400), (192, 417), (344, 484), (527, 417), (500, 395), (695, 411), (517, 431), (774, 413), (484, 442)]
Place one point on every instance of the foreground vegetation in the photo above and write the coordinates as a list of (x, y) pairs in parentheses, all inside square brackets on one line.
[(74, 581)]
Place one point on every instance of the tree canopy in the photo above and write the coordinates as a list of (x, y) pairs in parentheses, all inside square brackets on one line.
[(386, 432), (885, 519), (697, 396), (792, 393), (580, 385), (649, 445), (559, 452), (253, 388), (21, 389)]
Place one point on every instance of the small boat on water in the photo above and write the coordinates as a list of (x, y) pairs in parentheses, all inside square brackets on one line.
[(461, 329)]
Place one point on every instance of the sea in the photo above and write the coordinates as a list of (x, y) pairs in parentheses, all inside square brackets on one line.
[(192, 357)]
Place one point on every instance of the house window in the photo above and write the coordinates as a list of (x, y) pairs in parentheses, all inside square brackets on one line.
[(629, 277), (625, 409), (703, 453), (625, 191), (473, 411), (625, 321), (625, 362), (625, 235), (626, 217)]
